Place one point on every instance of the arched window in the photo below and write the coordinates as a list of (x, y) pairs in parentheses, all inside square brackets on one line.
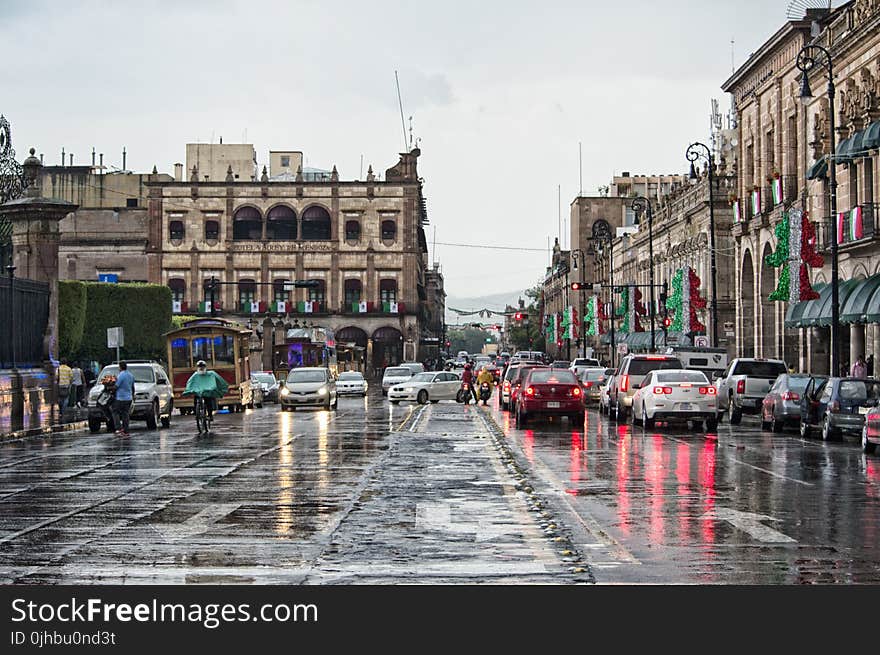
[(353, 289), (247, 224), (178, 289), (352, 231), (281, 224), (316, 224), (247, 291), (389, 232), (319, 292), (176, 231), (212, 231), (278, 292), (388, 290)]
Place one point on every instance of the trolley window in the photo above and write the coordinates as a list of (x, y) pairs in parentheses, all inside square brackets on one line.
[(201, 349), (224, 350), (180, 353)]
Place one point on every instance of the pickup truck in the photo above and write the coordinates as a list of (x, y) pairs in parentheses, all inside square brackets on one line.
[(744, 383)]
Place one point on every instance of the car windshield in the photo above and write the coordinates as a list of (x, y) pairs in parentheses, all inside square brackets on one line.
[(682, 376), (639, 367), (423, 377), (306, 376), (769, 370), (268, 379), (552, 376), (863, 392), (143, 374), (560, 363), (798, 384), (593, 374), (351, 376), (397, 372)]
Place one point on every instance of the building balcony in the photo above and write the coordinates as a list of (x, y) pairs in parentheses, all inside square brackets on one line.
[(856, 226)]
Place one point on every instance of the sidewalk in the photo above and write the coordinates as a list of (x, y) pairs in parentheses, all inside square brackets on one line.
[(446, 505)]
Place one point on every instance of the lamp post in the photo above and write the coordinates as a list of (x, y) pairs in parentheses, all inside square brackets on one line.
[(643, 205), (809, 58), (10, 269), (694, 152), (603, 235), (575, 254)]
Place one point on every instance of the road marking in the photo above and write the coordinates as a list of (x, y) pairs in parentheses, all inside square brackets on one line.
[(438, 516), (750, 524), (196, 524), (773, 473)]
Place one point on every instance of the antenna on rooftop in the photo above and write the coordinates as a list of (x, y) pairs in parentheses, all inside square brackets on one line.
[(400, 103)]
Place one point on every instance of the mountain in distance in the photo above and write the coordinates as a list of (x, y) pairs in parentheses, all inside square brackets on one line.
[(495, 302)]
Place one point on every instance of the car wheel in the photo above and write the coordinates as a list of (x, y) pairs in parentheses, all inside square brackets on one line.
[(648, 422), (736, 415), (504, 406), (828, 432), (166, 421), (620, 414), (776, 425), (804, 429), (434, 402), (395, 402), (632, 418), (422, 398), (259, 405), (336, 402), (94, 425), (578, 419), (867, 446), (153, 416), (765, 424), (521, 418), (711, 424)]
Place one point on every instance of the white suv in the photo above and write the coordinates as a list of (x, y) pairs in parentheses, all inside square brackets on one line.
[(153, 396)]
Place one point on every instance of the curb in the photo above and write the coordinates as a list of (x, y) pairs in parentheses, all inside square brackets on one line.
[(40, 432)]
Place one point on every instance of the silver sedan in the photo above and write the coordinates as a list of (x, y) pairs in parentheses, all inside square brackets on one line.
[(425, 387)]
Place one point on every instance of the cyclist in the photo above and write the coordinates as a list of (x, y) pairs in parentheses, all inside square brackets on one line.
[(208, 385)]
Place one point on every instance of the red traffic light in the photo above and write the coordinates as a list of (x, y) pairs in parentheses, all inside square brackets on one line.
[(667, 322), (518, 316), (577, 286)]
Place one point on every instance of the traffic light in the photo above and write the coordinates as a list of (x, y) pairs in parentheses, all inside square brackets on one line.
[(578, 286), (518, 316), (667, 322)]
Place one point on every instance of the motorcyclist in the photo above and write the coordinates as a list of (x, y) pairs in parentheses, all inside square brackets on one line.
[(486, 377), (207, 384), (467, 377)]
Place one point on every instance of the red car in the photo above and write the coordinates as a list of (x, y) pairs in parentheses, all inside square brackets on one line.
[(871, 431), (550, 392)]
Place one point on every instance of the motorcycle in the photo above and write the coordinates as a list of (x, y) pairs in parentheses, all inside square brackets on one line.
[(485, 392), (464, 394)]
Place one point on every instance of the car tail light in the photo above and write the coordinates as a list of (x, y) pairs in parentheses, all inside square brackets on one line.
[(587, 385), (659, 391), (790, 395), (576, 392), (708, 391), (506, 385), (530, 391), (624, 382), (835, 406), (741, 386)]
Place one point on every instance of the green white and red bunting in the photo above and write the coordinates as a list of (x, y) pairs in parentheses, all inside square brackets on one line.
[(795, 252), (308, 306), (756, 202), (254, 307), (361, 307), (280, 307), (850, 226), (776, 185), (393, 308), (570, 323), (178, 306), (737, 212), (685, 300), (592, 324), (205, 307), (631, 307)]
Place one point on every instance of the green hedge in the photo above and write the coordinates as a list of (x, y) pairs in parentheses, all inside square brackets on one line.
[(71, 317), (142, 310)]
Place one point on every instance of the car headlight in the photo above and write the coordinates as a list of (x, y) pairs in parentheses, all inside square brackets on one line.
[(322, 391), (141, 396), (409, 389), (285, 391)]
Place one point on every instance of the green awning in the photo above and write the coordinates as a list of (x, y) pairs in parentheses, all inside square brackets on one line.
[(818, 169), (844, 152), (795, 313), (872, 136), (818, 313), (872, 308), (855, 308)]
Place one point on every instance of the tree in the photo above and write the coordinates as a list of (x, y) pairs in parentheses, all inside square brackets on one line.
[(470, 339), (529, 334)]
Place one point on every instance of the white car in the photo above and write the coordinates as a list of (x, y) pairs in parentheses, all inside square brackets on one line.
[(415, 367), (351, 383), (675, 395), (394, 375), (425, 387)]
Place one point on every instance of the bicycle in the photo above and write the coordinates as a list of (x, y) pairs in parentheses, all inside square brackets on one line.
[(203, 418)]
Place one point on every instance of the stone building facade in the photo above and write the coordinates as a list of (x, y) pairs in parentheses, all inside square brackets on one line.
[(781, 138)]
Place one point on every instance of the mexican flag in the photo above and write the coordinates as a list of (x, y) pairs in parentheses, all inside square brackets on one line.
[(777, 191), (205, 307), (361, 307), (253, 307), (176, 306), (850, 226), (390, 307), (737, 212), (756, 202), (306, 307), (280, 307)]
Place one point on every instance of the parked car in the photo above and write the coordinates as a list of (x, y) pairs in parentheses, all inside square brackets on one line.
[(585, 362), (782, 404), (629, 377), (604, 393), (592, 380), (837, 406), (744, 383), (560, 363), (871, 431), (268, 385), (550, 392), (415, 367), (426, 387), (153, 399), (675, 395), (351, 383), (309, 386), (394, 375)]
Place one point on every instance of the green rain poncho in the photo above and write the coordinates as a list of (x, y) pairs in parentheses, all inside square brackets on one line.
[(207, 385)]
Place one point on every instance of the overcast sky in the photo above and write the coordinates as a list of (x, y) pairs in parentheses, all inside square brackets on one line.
[(500, 92)]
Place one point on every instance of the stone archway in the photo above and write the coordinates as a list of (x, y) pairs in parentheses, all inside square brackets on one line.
[(767, 311), (387, 348), (747, 289)]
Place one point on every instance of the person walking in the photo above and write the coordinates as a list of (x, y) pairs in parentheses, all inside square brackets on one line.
[(870, 364), (78, 380), (124, 398), (859, 368), (65, 375)]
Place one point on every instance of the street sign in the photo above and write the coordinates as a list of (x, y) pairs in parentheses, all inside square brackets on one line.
[(115, 337), (622, 349), (701, 341), (112, 278)]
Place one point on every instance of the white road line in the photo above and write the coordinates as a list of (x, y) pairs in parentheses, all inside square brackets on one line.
[(773, 473)]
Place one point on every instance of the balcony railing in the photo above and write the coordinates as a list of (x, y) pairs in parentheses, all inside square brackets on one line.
[(854, 226)]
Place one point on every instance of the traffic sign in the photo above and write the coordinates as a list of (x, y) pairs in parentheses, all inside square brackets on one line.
[(112, 278), (115, 337), (701, 341), (622, 349)]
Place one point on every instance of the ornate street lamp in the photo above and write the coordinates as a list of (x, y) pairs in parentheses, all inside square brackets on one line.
[(809, 58), (694, 152), (575, 254), (640, 205), (603, 237)]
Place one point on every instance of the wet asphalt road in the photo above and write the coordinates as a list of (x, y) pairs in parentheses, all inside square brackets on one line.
[(375, 493)]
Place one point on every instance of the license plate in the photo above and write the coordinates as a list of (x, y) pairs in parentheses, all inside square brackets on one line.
[(552, 405), (686, 407), (864, 410)]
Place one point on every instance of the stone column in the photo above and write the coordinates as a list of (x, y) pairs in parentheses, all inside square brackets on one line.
[(856, 342), (268, 343)]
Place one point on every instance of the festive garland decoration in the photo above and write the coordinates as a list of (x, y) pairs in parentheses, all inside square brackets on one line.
[(631, 307), (796, 250), (685, 301), (595, 314)]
